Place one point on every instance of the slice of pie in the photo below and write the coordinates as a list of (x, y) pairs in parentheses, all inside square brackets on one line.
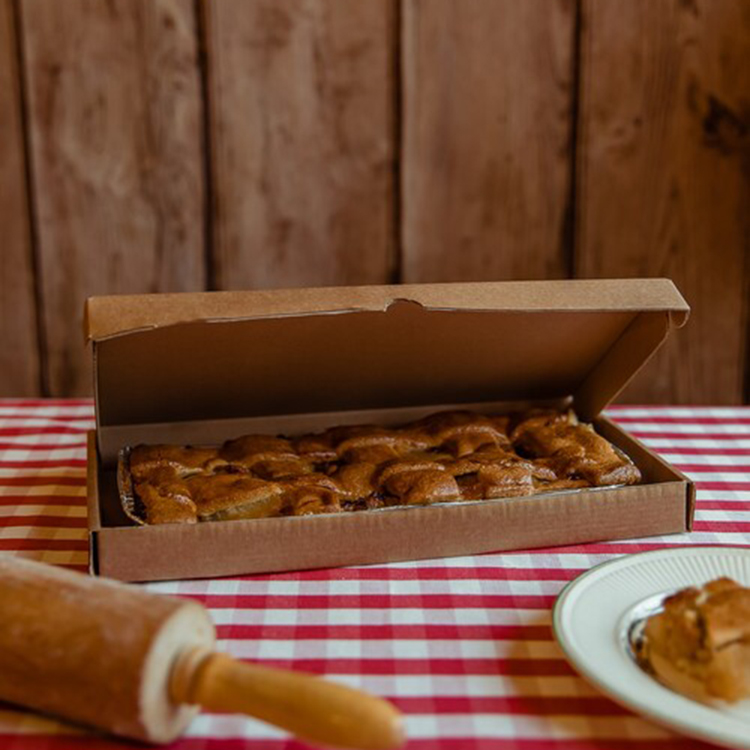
[(699, 645)]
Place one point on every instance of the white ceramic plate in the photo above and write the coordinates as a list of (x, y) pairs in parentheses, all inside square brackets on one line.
[(593, 615)]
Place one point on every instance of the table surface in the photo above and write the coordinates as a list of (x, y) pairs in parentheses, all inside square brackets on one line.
[(463, 646)]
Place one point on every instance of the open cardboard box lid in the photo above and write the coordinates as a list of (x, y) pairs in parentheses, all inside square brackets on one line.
[(186, 357)]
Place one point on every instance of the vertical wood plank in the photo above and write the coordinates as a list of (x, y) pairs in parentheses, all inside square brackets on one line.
[(19, 353), (487, 104), (301, 103), (115, 120), (664, 175)]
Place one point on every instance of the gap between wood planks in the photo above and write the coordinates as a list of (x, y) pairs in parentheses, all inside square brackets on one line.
[(36, 265)]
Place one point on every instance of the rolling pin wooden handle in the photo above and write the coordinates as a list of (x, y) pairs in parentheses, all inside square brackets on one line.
[(310, 708)]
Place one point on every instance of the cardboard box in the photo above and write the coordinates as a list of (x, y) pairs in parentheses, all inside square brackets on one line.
[(201, 368)]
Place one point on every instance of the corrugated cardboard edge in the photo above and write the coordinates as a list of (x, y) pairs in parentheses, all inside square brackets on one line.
[(109, 316), (332, 540)]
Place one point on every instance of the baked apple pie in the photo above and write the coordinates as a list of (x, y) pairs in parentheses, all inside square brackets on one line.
[(445, 457)]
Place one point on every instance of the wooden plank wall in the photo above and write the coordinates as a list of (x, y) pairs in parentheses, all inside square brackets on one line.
[(301, 111), (664, 176), (113, 96), (19, 354), (488, 95), (166, 145)]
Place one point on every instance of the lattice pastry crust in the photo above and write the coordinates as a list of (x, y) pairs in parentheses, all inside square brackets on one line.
[(445, 457)]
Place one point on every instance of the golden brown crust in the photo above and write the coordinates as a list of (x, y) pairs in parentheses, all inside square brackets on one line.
[(700, 643), (238, 495), (572, 450), (145, 459), (449, 456), (312, 494), (166, 498)]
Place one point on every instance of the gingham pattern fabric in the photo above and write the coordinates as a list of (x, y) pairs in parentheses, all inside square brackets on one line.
[(463, 646)]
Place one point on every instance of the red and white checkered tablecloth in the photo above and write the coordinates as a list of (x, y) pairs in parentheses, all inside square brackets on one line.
[(463, 646)]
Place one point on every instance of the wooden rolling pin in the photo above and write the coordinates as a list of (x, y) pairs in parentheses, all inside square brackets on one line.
[(135, 664)]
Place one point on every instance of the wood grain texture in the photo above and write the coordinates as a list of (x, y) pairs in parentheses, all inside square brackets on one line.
[(19, 354), (487, 128), (115, 122), (301, 101), (664, 168)]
